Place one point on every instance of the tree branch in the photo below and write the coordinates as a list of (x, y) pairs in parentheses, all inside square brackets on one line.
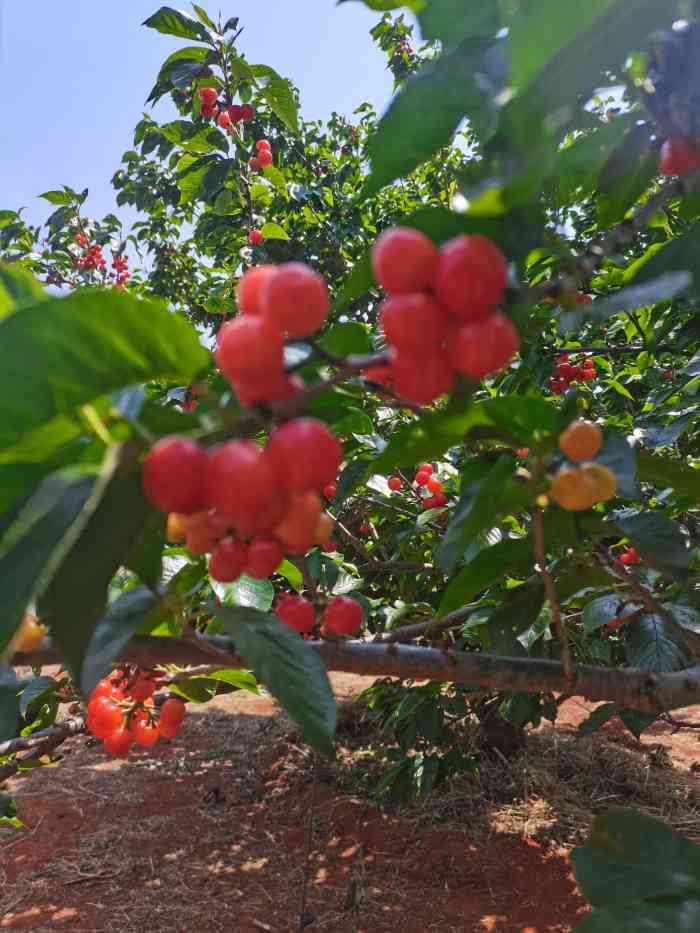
[(633, 689), (428, 629), (559, 626), (41, 743)]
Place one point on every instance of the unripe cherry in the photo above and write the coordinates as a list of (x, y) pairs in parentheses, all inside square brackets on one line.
[(173, 475), (404, 260), (471, 276)]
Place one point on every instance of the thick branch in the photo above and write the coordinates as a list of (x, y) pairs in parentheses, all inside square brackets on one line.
[(41, 743), (629, 688)]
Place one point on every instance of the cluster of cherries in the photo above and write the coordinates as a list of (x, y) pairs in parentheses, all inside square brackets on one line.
[(226, 117), (580, 484), (263, 156), (425, 479), (565, 373), (244, 505), (92, 258), (342, 616), (440, 318), (122, 712)]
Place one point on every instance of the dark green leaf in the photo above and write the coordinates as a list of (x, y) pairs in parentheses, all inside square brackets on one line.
[(663, 288), (84, 346), (600, 715), (112, 519), (665, 473), (426, 113), (621, 458), (35, 689), (579, 165), (9, 704), (450, 21), (680, 254), (659, 541), (517, 613), (279, 94), (122, 620), (635, 721), (289, 668), (175, 23), (213, 181), (599, 612), (626, 175), (673, 915), (651, 645), (29, 548), (507, 558)]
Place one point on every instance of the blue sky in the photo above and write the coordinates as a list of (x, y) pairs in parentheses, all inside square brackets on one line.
[(76, 74)]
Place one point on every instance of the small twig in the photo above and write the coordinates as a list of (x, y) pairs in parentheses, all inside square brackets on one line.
[(428, 629), (397, 566), (24, 742), (355, 543), (303, 920), (609, 351), (550, 590), (48, 744)]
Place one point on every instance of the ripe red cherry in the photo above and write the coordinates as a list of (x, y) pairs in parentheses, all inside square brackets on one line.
[(471, 276), (630, 556), (668, 376), (614, 624), (440, 499), (422, 379), (173, 475), (422, 478), (118, 742), (169, 730), (235, 111), (677, 157), (431, 502), (433, 484), (248, 347), (413, 322), (581, 298), (330, 490), (365, 528), (228, 560), (209, 112), (305, 454), (265, 157), (331, 547), (425, 468), (404, 260), (484, 346), (267, 387), (297, 613), (104, 716), (247, 113), (143, 687), (250, 288), (263, 144), (296, 299), (395, 483), (522, 452), (208, 96), (254, 164), (264, 557), (145, 733), (224, 120), (255, 237), (343, 616), (107, 688), (172, 712), (204, 531), (243, 488)]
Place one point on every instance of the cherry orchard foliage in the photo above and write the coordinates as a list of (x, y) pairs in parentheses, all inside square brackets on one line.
[(439, 383)]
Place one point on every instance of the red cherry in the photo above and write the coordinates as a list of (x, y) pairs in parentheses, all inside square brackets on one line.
[(228, 560), (265, 158), (254, 164), (581, 298), (169, 730), (235, 111), (296, 612), (562, 358), (209, 112), (433, 484), (103, 716), (422, 379), (382, 375), (243, 488), (296, 299), (107, 688), (224, 120), (678, 157), (263, 144), (425, 468), (330, 490), (440, 499), (667, 376), (330, 547), (173, 475), (118, 742), (343, 616), (145, 733), (614, 624), (395, 483), (471, 276), (430, 502), (558, 386), (247, 113), (248, 347), (250, 288), (264, 557), (413, 322), (422, 478), (208, 96), (297, 473), (267, 387), (365, 528), (298, 530), (484, 346), (172, 712), (630, 556), (522, 452), (142, 688), (404, 260), (255, 237)]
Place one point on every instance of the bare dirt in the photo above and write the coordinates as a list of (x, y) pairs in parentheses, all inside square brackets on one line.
[(211, 832)]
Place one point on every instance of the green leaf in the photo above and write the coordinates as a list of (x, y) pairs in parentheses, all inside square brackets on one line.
[(665, 473), (35, 689), (29, 549), (290, 669), (599, 612), (659, 541), (175, 23), (662, 288), (632, 857), (57, 197), (382, 6), (490, 566), (9, 704), (619, 457), (122, 620), (112, 519), (518, 612), (85, 346), (481, 504), (600, 715), (626, 175), (8, 813), (635, 721), (236, 677), (255, 594), (579, 164), (213, 181), (279, 94), (273, 231), (344, 339), (651, 645), (204, 17), (450, 21), (426, 113), (292, 575), (680, 254), (17, 286), (671, 916)]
